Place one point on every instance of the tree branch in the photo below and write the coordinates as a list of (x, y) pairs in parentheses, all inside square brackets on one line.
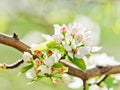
[(14, 42), (11, 66), (19, 45)]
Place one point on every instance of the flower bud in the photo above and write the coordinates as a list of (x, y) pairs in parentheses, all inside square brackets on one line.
[(37, 61), (63, 29), (26, 56)]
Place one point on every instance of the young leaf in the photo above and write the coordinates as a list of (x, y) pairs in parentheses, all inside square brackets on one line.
[(109, 82), (24, 69), (60, 48), (57, 65), (78, 62), (44, 45)]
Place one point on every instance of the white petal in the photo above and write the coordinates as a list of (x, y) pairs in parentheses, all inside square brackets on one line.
[(47, 37), (26, 56), (66, 46), (49, 62), (96, 49), (68, 37), (57, 38), (56, 55), (70, 54), (82, 51), (66, 78), (94, 87), (44, 69), (57, 29), (30, 73)]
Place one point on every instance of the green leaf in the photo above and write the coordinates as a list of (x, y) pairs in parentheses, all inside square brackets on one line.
[(50, 44), (60, 48), (44, 45), (57, 65), (109, 82), (78, 62), (26, 68)]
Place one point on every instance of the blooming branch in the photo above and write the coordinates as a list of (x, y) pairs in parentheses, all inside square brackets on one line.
[(50, 58)]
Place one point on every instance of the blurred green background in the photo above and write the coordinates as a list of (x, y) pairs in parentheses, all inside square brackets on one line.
[(30, 18)]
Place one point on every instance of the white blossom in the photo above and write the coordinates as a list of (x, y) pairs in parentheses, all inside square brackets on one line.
[(44, 69), (102, 60), (49, 61), (82, 51), (26, 56), (31, 73), (47, 37), (67, 46), (66, 78), (76, 83), (94, 87), (57, 38)]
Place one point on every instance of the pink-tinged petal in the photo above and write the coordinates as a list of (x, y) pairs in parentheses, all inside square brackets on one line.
[(78, 37), (37, 62), (57, 38), (26, 56), (74, 31)]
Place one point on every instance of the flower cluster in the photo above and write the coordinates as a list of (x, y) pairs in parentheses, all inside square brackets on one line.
[(74, 39), (67, 43), (43, 64)]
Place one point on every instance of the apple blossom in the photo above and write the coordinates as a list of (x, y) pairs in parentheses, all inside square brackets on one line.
[(31, 73), (44, 69), (94, 87), (78, 37), (66, 78)]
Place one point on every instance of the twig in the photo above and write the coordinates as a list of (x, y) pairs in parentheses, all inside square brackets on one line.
[(84, 84), (101, 80), (11, 66)]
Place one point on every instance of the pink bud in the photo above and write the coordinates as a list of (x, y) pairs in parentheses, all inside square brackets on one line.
[(37, 61), (78, 37), (63, 29)]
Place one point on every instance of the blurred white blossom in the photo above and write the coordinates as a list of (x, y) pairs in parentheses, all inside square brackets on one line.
[(102, 60)]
